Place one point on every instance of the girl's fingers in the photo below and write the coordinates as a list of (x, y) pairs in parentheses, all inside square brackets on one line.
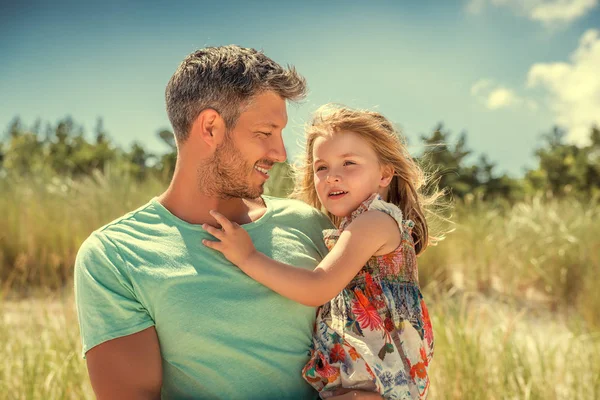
[(213, 231), (222, 220), (212, 245)]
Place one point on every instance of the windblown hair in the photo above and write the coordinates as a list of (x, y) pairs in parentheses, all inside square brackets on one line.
[(225, 79), (408, 183)]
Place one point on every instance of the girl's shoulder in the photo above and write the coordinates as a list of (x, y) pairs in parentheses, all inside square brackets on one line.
[(376, 203)]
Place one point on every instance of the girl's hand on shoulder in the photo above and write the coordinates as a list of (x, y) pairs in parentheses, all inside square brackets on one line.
[(234, 242)]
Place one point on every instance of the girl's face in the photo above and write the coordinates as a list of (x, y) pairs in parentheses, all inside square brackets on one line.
[(347, 172)]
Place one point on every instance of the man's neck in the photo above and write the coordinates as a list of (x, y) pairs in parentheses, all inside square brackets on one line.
[(193, 206)]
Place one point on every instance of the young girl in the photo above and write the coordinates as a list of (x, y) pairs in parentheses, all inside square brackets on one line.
[(372, 330)]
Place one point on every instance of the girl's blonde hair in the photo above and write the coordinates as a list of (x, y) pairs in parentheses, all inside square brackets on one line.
[(406, 187)]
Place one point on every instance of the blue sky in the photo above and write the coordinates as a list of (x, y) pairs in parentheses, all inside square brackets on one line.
[(504, 71)]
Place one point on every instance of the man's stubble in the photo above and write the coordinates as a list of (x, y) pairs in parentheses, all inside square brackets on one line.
[(226, 174)]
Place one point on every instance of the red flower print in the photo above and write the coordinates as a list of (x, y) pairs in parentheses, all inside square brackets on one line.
[(372, 287), (418, 370), (389, 324), (332, 378), (323, 368), (425, 312), (427, 323), (353, 354), (423, 356), (337, 353), (365, 313), (389, 264)]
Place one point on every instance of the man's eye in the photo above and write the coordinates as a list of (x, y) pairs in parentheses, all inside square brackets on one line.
[(265, 133)]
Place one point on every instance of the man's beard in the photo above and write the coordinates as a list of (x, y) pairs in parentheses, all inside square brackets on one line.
[(226, 174)]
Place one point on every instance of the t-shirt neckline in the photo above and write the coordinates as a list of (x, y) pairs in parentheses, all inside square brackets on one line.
[(164, 212)]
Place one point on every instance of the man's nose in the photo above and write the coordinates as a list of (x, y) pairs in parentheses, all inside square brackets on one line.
[(278, 152)]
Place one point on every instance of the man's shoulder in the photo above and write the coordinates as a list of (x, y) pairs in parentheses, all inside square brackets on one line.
[(122, 228), (134, 219), (292, 207), (304, 221), (297, 213), (107, 242)]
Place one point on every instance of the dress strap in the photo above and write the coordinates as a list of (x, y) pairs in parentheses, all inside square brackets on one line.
[(392, 210)]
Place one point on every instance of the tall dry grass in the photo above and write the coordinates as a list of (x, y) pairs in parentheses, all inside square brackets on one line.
[(483, 350), (489, 349), (47, 220), (40, 350), (541, 252)]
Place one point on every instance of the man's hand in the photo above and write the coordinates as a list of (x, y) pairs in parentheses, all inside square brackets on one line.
[(234, 242)]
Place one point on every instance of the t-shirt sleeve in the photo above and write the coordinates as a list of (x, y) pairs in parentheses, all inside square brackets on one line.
[(106, 303)]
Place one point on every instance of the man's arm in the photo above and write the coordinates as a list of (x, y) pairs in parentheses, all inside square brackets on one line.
[(128, 367), (118, 335)]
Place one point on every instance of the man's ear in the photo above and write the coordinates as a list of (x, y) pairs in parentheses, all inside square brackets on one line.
[(209, 127), (387, 174)]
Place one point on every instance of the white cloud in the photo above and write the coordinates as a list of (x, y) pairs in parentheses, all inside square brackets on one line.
[(495, 97), (561, 10), (545, 11), (500, 98), (573, 87)]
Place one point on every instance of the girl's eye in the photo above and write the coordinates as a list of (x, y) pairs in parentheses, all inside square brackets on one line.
[(320, 168), (349, 163)]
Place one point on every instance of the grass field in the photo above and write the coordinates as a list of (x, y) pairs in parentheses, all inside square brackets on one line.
[(485, 349), (512, 292)]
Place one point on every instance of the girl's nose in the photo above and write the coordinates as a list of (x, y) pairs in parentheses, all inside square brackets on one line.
[(333, 178)]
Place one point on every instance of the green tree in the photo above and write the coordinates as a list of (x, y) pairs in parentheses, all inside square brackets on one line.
[(445, 162), (565, 168), (138, 160), (23, 152)]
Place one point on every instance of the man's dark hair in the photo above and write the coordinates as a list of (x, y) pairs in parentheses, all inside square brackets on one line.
[(225, 79)]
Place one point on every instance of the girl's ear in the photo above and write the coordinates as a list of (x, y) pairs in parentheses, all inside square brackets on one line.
[(387, 173)]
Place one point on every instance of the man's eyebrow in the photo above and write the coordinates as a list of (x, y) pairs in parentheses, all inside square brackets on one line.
[(269, 124)]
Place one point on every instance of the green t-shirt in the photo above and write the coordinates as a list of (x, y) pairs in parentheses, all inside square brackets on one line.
[(222, 335)]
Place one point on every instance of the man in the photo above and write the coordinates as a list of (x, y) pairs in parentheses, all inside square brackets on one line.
[(162, 315)]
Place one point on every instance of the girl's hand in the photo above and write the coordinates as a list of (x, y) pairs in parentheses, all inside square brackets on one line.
[(234, 242)]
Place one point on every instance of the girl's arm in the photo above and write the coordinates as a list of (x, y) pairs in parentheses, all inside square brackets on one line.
[(364, 237)]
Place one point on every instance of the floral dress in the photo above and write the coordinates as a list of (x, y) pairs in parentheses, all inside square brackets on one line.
[(376, 334)]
